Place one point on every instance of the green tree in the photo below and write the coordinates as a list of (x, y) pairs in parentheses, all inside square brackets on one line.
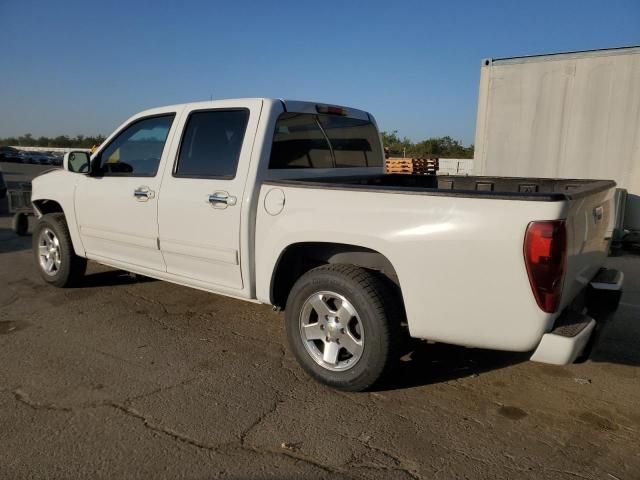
[(64, 141), (26, 140), (397, 146), (444, 147)]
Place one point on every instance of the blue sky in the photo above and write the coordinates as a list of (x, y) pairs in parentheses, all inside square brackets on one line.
[(82, 67)]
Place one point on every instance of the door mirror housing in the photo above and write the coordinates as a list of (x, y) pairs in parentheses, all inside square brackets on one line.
[(77, 161)]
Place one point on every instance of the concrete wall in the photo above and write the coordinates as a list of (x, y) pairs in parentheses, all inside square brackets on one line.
[(566, 115), (455, 166)]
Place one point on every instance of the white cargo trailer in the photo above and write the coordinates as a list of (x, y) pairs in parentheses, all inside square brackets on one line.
[(569, 115)]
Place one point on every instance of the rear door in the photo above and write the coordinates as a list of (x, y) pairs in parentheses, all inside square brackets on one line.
[(117, 207), (202, 194)]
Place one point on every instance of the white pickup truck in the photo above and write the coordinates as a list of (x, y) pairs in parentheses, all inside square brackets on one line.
[(286, 203)]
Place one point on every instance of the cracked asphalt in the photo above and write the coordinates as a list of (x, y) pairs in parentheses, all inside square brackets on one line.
[(133, 378)]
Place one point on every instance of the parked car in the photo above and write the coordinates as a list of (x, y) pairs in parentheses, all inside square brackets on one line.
[(25, 156), (40, 158), (286, 203), (48, 158), (36, 157), (9, 154), (56, 159), (3, 186)]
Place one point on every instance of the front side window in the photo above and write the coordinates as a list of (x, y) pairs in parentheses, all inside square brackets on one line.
[(211, 144), (303, 140), (137, 150)]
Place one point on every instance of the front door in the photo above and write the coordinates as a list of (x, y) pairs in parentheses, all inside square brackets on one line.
[(117, 205), (201, 202)]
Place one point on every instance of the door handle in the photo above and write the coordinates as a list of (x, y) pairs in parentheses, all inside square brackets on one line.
[(144, 193), (222, 200)]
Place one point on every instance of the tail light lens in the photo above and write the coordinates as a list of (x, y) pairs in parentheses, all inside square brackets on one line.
[(545, 251)]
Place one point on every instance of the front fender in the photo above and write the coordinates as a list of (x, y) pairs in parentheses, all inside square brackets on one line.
[(59, 186)]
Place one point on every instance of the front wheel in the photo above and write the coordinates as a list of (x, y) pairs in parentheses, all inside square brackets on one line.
[(343, 326), (53, 251)]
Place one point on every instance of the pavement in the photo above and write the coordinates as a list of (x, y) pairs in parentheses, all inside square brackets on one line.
[(131, 378)]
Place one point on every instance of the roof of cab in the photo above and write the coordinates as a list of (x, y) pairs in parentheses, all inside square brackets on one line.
[(296, 106)]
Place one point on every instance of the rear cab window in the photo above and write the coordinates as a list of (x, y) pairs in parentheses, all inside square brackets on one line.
[(305, 140)]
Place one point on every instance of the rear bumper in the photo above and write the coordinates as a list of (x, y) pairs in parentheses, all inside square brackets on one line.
[(576, 331)]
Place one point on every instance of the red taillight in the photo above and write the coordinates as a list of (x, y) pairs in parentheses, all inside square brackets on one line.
[(545, 250)]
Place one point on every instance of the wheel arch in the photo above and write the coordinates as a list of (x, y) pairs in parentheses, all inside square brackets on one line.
[(298, 258), (44, 206)]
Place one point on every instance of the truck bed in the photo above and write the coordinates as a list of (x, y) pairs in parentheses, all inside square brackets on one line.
[(512, 188), (456, 243)]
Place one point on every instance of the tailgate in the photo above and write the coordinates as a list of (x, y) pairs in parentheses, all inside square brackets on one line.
[(590, 221)]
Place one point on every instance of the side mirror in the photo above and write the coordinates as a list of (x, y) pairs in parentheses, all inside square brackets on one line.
[(77, 161)]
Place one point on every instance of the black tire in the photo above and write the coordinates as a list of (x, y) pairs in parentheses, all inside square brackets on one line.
[(20, 224), (378, 309), (72, 267)]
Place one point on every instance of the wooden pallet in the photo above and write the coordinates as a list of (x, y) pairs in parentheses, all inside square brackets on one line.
[(412, 161), (415, 166)]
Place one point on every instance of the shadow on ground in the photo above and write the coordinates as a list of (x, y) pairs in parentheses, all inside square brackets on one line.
[(10, 242), (433, 363), (428, 363), (111, 278)]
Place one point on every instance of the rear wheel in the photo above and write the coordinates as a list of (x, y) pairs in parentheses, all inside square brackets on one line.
[(343, 326), (53, 250)]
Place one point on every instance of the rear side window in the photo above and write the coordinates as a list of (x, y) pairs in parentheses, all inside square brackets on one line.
[(304, 140), (211, 144)]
